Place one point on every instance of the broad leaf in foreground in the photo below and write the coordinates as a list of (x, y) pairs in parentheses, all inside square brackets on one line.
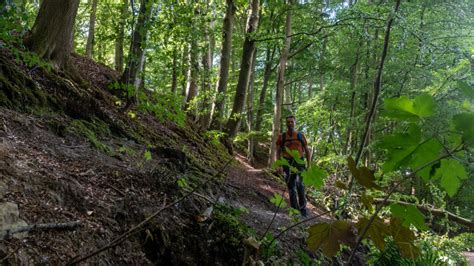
[(451, 172), (404, 238), (330, 236), (363, 175), (377, 231), (465, 124), (409, 214), (314, 176), (278, 200)]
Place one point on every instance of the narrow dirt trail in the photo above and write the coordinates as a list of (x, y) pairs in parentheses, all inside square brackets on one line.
[(253, 190)]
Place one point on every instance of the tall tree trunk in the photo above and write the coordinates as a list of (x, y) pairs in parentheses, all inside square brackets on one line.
[(193, 71), (250, 110), (267, 72), (245, 68), (227, 28), (174, 75), (138, 44), (90, 36), (52, 34), (120, 37), (184, 70), (354, 72), (310, 89), (280, 86), (377, 86), (321, 73), (207, 60)]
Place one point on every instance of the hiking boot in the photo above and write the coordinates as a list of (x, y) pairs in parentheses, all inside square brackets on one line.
[(304, 213)]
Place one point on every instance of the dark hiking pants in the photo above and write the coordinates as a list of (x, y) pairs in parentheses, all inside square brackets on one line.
[(295, 185)]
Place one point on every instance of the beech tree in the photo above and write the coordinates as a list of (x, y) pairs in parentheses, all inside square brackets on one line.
[(227, 29), (52, 33), (245, 69), (90, 37)]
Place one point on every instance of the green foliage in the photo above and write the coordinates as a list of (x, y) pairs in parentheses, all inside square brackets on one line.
[(147, 155), (214, 136), (330, 236), (403, 108), (450, 173), (410, 215), (278, 201), (314, 176)]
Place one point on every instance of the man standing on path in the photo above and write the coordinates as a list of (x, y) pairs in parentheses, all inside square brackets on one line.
[(294, 140)]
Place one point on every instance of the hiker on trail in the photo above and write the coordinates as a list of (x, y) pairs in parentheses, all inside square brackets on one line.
[(294, 140)]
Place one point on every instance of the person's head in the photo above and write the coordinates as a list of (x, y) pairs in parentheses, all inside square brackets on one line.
[(290, 123)]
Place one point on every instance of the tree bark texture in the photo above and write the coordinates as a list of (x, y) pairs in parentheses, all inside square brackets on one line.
[(120, 37), (280, 87), (174, 75), (245, 69), (263, 93), (52, 33), (90, 36), (250, 110), (192, 75), (138, 44), (227, 29)]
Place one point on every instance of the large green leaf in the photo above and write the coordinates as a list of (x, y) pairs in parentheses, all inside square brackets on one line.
[(409, 214), (377, 230), (451, 172), (295, 155), (314, 176), (404, 238), (465, 124), (330, 236), (363, 175), (399, 148), (407, 109), (425, 153)]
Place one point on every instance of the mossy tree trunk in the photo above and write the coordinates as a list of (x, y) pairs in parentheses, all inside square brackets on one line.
[(52, 33)]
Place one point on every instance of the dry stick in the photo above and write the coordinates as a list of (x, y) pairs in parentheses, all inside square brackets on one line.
[(130, 232), (389, 193), (377, 85), (38, 227)]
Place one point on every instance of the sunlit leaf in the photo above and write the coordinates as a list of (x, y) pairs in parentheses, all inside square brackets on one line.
[(314, 176), (410, 215), (295, 155), (330, 236), (147, 155), (407, 109), (278, 200), (451, 172)]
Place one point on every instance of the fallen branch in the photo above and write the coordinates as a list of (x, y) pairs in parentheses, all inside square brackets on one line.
[(434, 211), (39, 227)]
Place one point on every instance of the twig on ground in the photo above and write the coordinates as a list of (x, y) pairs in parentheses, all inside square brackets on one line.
[(40, 227)]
